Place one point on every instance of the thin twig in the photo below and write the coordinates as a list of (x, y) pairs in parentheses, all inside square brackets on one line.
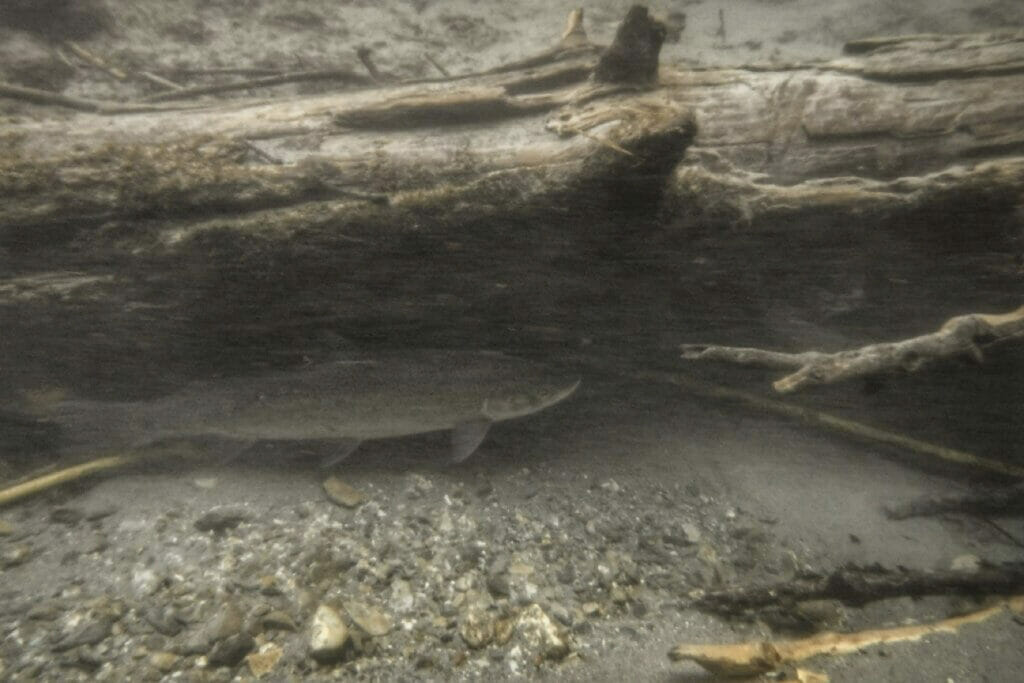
[(437, 65), (35, 96), (321, 75), (47, 481), (160, 80), (95, 61), (228, 71)]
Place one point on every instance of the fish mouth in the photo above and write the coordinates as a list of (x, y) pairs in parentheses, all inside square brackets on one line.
[(507, 409)]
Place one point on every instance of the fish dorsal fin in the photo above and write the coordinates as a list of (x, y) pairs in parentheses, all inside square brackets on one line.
[(467, 437)]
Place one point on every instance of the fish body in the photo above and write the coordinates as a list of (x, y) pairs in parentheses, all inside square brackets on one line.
[(351, 400)]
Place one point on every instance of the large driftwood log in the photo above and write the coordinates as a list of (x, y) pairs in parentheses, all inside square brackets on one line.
[(480, 209)]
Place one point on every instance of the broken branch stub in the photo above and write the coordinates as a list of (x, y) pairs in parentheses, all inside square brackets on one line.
[(633, 55)]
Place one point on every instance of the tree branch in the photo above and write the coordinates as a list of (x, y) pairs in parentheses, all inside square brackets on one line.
[(959, 336)]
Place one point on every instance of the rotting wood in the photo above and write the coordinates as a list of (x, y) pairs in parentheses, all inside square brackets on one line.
[(470, 206), (1003, 502), (858, 585), (759, 657), (961, 336)]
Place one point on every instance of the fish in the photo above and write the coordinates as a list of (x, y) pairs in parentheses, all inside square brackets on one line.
[(346, 401)]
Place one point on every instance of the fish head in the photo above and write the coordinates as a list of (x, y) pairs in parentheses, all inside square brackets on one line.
[(528, 397)]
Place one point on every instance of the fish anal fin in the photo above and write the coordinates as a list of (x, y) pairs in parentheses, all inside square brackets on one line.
[(467, 437), (343, 449)]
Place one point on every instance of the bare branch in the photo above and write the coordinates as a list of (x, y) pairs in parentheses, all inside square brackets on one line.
[(959, 336)]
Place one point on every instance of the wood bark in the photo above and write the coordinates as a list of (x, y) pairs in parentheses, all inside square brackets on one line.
[(491, 209)]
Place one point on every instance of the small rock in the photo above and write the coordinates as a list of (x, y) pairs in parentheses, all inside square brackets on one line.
[(145, 581), (368, 618), (328, 635), (88, 632), (277, 620), (205, 483), (540, 635), (67, 516), (343, 494), (477, 628), (969, 564), (822, 613), (560, 613), (94, 514), (5, 528), (231, 650), (611, 486), (163, 620), (498, 585), (221, 519), (164, 661), (12, 557), (268, 585), (402, 599), (264, 660), (689, 533), (226, 623)]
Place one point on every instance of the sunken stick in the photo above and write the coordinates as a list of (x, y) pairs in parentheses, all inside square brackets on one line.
[(963, 335)]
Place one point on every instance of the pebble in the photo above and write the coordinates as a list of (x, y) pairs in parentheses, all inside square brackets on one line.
[(969, 564), (328, 635), (823, 614), (221, 519), (88, 632), (343, 494), (164, 661), (264, 660), (94, 514), (164, 620), (12, 557), (498, 584), (276, 620), (6, 529), (476, 628), (540, 635), (402, 599), (231, 650), (67, 516), (227, 622), (145, 581), (368, 618)]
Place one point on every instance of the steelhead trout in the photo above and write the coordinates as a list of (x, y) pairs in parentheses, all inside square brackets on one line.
[(380, 397)]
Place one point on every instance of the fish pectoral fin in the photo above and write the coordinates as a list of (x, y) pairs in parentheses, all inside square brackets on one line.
[(345, 448), (467, 437)]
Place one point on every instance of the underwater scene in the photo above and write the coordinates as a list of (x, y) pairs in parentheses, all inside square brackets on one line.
[(456, 340)]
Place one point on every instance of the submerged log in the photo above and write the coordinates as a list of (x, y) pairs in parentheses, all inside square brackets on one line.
[(481, 209)]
